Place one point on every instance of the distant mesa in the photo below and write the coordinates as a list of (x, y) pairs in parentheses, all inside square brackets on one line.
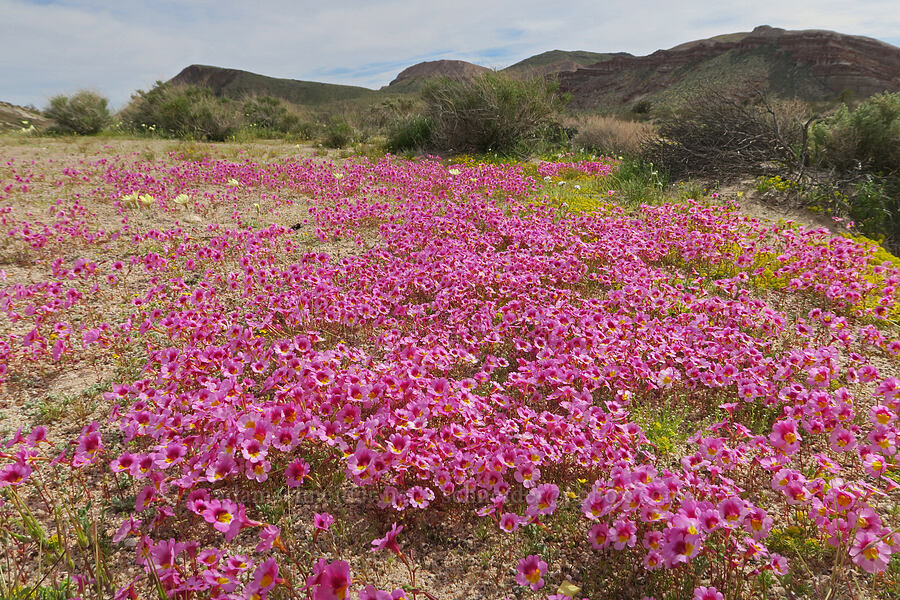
[(808, 64), (235, 83)]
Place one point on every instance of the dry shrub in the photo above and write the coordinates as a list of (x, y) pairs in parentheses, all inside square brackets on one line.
[(610, 135)]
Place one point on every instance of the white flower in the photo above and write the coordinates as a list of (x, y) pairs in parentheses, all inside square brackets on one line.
[(454, 171)]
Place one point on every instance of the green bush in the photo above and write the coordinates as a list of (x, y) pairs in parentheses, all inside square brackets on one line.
[(866, 139), (85, 113), (491, 113), (182, 111), (409, 133), (269, 115), (338, 133), (860, 149)]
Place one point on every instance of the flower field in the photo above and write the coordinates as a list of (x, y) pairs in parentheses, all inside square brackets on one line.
[(257, 373)]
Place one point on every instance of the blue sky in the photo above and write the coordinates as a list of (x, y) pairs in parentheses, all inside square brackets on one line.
[(49, 47)]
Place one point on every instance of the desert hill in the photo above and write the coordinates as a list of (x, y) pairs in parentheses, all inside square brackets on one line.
[(411, 78), (13, 117), (809, 64), (235, 83)]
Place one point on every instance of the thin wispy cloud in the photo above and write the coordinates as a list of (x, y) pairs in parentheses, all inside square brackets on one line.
[(59, 46)]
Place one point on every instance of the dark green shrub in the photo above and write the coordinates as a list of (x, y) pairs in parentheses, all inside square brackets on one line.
[(859, 150), (182, 111), (85, 113), (269, 115), (866, 139), (491, 113), (338, 133), (409, 133)]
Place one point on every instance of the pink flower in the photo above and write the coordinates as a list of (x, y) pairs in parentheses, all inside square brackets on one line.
[(870, 552), (707, 593), (785, 436), (530, 572), (389, 541), (265, 576), (599, 536), (296, 472), (330, 581), (14, 474), (322, 521), (542, 499), (509, 522), (89, 445)]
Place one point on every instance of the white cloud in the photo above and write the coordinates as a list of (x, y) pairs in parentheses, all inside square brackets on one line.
[(54, 46)]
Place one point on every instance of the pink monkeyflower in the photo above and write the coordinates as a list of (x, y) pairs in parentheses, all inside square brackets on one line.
[(599, 536), (389, 541), (875, 465), (170, 454), (758, 523), (870, 552), (322, 521), (779, 564), (14, 474), (330, 581), (221, 468), (679, 547), (623, 533), (89, 445), (269, 536), (653, 560), (732, 510), (265, 575), (530, 572), (420, 497), (371, 593), (542, 499), (296, 472), (509, 522), (785, 436), (707, 593), (129, 526)]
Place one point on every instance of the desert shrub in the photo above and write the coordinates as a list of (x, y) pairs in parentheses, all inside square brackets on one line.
[(857, 153), (85, 113), (610, 135), (728, 136), (337, 134), (269, 115), (411, 132), (866, 139), (493, 112), (182, 111)]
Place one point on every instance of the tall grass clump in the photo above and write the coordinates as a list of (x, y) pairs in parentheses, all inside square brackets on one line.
[(490, 113), (182, 111), (84, 113), (610, 135)]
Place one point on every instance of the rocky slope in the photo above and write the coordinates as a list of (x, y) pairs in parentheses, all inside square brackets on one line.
[(810, 64)]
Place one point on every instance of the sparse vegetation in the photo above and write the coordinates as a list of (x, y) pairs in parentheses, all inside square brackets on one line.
[(609, 134)]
